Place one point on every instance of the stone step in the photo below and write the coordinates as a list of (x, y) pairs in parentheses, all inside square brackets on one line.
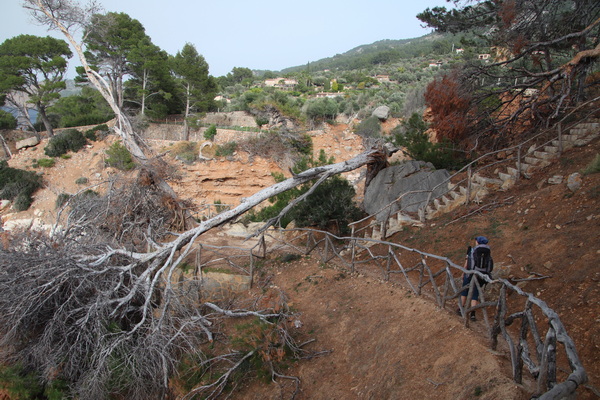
[(486, 182), (585, 140), (506, 177), (570, 138), (531, 161), (456, 194), (513, 171), (544, 156), (588, 125), (566, 145), (551, 150), (577, 131)]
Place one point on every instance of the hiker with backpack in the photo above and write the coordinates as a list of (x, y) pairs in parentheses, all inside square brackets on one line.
[(479, 258)]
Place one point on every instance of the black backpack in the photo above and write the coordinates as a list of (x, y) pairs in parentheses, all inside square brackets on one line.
[(481, 260)]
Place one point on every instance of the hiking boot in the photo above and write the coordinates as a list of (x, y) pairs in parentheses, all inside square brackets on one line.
[(472, 316)]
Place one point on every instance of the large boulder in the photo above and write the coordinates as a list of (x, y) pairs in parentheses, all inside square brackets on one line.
[(392, 182), (29, 142), (382, 112)]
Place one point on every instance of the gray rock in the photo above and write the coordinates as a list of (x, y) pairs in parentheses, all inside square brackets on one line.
[(555, 180), (382, 112), (29, 142), (574, 182), (392, 182)]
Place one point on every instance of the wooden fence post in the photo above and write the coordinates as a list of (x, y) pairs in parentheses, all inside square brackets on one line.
[(251, 270), (469, 176), (560, 144), (518, 164)]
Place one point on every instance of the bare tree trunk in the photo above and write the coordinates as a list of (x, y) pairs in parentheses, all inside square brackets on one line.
[(67, 17), (186, 128), (45, 120), (11, 99)]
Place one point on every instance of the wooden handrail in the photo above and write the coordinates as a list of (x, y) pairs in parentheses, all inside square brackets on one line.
[(433, 276)]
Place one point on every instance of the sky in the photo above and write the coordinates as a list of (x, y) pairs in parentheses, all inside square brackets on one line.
[(261, 34)]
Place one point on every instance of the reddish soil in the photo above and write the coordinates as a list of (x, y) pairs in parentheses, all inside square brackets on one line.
[(385, 342)]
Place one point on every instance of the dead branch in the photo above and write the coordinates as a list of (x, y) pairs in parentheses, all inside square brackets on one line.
[(489, 206), (532, 279)]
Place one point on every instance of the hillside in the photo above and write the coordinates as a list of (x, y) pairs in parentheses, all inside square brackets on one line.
[(384, 342), (382, 52)]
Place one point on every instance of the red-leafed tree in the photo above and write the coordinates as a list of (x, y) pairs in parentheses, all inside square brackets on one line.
[(449, 103), (543, 57)]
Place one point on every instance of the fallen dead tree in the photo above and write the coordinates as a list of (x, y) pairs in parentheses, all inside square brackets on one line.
[(110, 318)]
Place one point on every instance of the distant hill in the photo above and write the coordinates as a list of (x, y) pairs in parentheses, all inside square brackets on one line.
[(383, 52)]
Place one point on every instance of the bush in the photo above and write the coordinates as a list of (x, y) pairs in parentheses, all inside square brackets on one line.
[(18, 185), (185, 151), (330, 205), (63, 142), (369, 128), (411, 135), (82, 181), (593, 167), (7, 120), (226, 150), (119, 157), (210, 132), (62, 199), (91, 134), (260, 121), (44, 163)]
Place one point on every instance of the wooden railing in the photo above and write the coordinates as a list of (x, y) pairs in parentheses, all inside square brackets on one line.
[(531, 331)]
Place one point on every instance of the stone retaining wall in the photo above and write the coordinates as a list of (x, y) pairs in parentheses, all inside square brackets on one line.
[(172, 132)]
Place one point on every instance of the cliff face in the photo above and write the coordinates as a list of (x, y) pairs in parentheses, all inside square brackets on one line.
[(223, 179)]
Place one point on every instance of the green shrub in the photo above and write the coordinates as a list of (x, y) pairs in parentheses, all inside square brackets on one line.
[(119, 157), (411, 135), (19, 384), (22, 202), (62, 199), (303, 144), (369, 128), (593, 167), (90, 134), (18, 185), (226, 149), (185, 151), (220, 207), (210, 132), (330, 205), (63, 142), (260, 121), (82, 181), (7, 120), (44, 163)]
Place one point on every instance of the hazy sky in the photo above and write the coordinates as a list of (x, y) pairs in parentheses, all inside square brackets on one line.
[(260, 34)]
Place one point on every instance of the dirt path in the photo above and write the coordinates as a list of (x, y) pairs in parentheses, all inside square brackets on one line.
[(385, 343)]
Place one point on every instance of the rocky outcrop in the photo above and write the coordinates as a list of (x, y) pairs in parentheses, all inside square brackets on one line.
[(393, 182), (29, 142), (382, 112)]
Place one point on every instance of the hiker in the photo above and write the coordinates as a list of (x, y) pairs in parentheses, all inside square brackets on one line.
[(478, 258)]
